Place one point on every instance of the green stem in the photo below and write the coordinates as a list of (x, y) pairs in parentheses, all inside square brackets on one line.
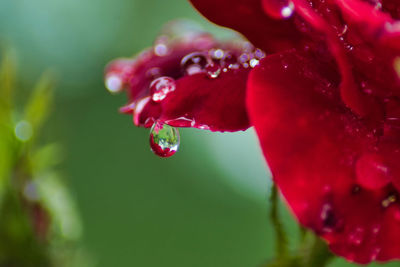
[(319, 254), (280, 235)]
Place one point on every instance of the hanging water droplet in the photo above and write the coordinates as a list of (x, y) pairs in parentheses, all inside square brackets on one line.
[(161, 87), (213, 70), (194, 63), (278, 9), (164, 139)]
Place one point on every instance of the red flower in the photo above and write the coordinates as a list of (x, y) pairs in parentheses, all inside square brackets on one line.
[(325, 103)]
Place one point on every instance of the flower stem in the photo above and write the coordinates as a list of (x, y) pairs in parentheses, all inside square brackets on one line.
[(280, 235)]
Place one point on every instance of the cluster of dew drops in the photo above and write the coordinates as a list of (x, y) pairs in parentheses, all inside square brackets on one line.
[(164, 139)]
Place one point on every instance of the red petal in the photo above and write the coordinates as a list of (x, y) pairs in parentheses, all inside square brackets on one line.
[(312, 144), (214, 104), (210, 96), (248, 18)]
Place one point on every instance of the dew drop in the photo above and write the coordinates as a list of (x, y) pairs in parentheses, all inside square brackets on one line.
[(356, 237), (254, 62), (213, 70), (114, 83), (161, 87), (161, 46), (216, 54), (194, 63), (230, 61), (389, 200), (278, 9), (164, 139)]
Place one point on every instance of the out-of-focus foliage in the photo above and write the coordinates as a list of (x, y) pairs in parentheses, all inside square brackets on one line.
[(207, 206), (39, 225)]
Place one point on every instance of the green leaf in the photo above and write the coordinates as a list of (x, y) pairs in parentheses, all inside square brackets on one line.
[(38, 107), (281, 240), (7, 80)]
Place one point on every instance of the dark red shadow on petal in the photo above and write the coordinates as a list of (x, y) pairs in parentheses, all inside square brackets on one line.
[(312, 143)]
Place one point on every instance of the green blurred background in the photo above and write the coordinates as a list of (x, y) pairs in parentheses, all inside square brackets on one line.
[(206, 206)]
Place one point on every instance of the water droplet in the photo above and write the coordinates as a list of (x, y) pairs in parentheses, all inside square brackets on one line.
[(23, 131), (357, 236), (328, 217), (375, 253), (259, 54), (161, 87), (217, 54), (278, 9), (194, 63), (114, 83), (371, 171), (389, 200), (254, 62), (164, 139), (213, 70), (244, 58), (161, 46), (230, 61)]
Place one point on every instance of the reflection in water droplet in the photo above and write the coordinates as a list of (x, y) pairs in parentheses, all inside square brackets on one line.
[(161, 87), (278, 9), (114, 83), (23, 131), (194, 63), (213, 70), (164, 139)]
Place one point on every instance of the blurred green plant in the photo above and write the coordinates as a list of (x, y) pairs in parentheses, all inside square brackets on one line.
[(310, 251), (39, 224)]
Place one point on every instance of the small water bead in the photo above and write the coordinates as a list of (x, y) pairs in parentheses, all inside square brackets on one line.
[(254, 62), (161, 46), (230, 61), (114, 83), (213, 70), (259, 54), (278, 9), (164, 139), (194, 63), (356, 237), (389, 200), (216, 54), (161, 87)]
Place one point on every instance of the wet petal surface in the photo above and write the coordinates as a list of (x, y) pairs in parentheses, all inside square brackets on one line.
[(317, 150)]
